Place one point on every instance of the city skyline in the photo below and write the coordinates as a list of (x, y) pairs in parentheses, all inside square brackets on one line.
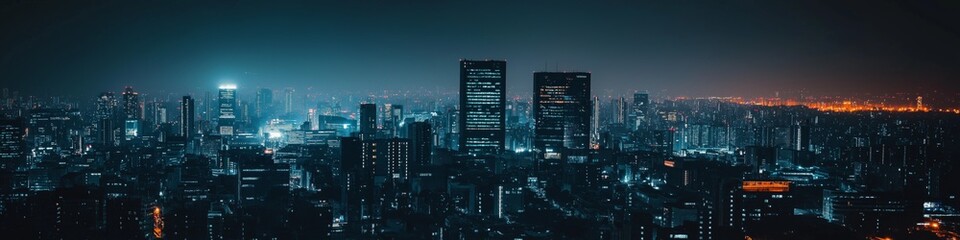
[(608, 120)]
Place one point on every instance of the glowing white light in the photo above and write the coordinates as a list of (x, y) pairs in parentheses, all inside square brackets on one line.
[(228, 86), (274, 135)]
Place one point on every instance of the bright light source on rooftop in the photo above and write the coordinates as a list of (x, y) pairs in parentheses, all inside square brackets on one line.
[(274, 135), (228, 86)]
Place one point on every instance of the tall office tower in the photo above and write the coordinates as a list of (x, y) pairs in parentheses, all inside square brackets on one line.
[(187, 117), (621, 110), (391, 117), (482, 105), (105, 131), (368, 121), (800, 137), (106, 106), (396, 115), (107, 117), (159, 113), (641, 102), (313, 119), (395, 158), (353, 176), (288, 100), (13, 148), (243, 112), (258, 175), (52, 127), (561, 111), (162, 115), (208, 107), (595, 124), (421, 145), (228, 107), (264, 102), (386, 121), (132, 106)]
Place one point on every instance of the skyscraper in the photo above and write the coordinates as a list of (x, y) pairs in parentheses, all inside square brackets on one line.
[(482, 106), (421, 145), (228, 104), (392, 116), (313, 119), (288, 100), (106, 106), (620, 115), (161, 114), (258, 174), (562, 110), (368, 121), (133, 113), (595, 123), (800, 137), (187, 117), (264, 101), (107, 117), (395, 157), (132, 106), (13, 148), (641, 100)]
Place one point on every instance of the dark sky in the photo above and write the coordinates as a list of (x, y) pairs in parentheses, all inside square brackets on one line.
[(682, 47)]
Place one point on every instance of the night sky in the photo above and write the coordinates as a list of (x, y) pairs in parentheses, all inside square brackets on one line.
[(715, 48)]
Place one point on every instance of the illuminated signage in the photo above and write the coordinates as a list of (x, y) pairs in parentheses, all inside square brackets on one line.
[(766, 186), (668, 163)]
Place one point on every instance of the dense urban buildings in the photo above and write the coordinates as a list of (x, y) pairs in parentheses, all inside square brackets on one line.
[(191, 120), (580, 165)]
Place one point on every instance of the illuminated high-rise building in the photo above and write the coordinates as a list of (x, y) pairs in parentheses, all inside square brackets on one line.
[(482, 106), (392, 116), (368, 121), (187, 117), (107, 118), (313, 119), (595, 123), (132, 105), (620, 110), (641, 100), (257, 175), (243, 112), (264, 102), (288, 100), (161, 112), (13, 148), (421, 141), (395, 157), (107, 105), (561, 110), (800, 137), (208, 104), (228, 106)]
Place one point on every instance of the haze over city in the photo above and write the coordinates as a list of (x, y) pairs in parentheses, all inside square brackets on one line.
[(680, 48)]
